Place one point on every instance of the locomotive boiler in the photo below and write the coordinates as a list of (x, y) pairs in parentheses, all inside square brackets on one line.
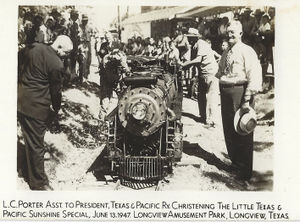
[(145, 132)]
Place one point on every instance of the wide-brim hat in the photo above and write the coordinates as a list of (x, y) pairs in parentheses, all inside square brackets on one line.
[(49, 18), (193, 31), (247, 9), (84, 17), (74, 12), (167, 39), (245, 122)]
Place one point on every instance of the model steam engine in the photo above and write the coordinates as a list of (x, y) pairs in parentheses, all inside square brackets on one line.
[(145, 131)]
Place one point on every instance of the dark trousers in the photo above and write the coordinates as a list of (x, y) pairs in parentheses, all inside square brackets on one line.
[(83, 72), (240, 148), (106, 88), (73, 60), (33, 132)]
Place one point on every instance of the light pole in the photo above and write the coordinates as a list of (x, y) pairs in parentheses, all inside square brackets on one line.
[(119, 25)]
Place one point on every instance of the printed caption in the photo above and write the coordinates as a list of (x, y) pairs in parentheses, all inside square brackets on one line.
[(138, 209)]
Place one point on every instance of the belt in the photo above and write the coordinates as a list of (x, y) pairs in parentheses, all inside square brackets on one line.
[(233, 85)]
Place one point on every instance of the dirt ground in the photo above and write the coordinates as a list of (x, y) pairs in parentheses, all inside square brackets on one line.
[(77, 140)]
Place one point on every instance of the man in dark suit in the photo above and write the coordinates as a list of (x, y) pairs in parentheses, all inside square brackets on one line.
[(39, 95)]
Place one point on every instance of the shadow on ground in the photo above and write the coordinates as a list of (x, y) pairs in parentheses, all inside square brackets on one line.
[(101, 166), (83, 132), (55, 154), (267, 119), (192, 116), (86, 88), (261, 146), (193, 149), (259, 181)]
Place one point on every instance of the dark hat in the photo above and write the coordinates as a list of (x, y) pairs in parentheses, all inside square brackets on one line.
[(74, 12), (247, 9), (258, 12), (84, 17), (55, 13)]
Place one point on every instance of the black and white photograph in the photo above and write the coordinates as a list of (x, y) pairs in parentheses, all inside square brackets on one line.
[(149, 110), (167, 98)]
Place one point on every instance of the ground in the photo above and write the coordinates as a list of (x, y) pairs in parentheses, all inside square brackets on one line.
[(75, 142)]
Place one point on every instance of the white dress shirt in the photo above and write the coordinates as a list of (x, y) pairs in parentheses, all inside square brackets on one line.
[(244, 66)]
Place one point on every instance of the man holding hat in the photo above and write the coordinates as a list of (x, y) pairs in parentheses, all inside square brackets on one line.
[(240, 79)]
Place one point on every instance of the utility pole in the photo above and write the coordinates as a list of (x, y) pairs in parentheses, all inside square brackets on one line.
[(119, 23)]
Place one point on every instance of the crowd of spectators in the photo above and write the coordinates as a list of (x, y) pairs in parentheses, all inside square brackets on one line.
[(44, 24), (258, 32), (40, 24)]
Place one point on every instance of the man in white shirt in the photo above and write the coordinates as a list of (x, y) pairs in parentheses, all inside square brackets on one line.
[(265, 25), (207, 83), (240, 79)]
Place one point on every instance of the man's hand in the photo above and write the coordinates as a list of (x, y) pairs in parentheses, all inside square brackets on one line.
[(185, 65), (52, 121), (53, 111), (245, 108), (180, 63)]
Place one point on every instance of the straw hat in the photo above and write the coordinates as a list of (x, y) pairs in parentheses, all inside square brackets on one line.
[(244, 122), (193, 31), (84, 17)]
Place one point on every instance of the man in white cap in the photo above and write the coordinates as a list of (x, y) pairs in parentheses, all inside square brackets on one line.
[(240, 79), (207, 83), (40, 76)]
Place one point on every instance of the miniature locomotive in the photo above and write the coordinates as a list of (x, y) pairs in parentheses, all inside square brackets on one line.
[(145, 132)]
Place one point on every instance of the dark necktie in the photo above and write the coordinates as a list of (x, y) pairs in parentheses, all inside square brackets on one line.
[(228, 61)]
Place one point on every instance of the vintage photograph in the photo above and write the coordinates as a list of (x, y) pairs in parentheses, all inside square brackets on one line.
[(170, 98)]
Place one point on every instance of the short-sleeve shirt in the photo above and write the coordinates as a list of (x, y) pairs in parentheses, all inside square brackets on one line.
[(208, 64)]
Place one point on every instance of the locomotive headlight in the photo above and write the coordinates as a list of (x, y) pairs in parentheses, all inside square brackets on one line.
[(139, 111)]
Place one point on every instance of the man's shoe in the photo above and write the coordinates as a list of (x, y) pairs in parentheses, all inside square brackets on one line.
[(242, 177), (46, 187), (210, 123), (233, 168), (200, 120)]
